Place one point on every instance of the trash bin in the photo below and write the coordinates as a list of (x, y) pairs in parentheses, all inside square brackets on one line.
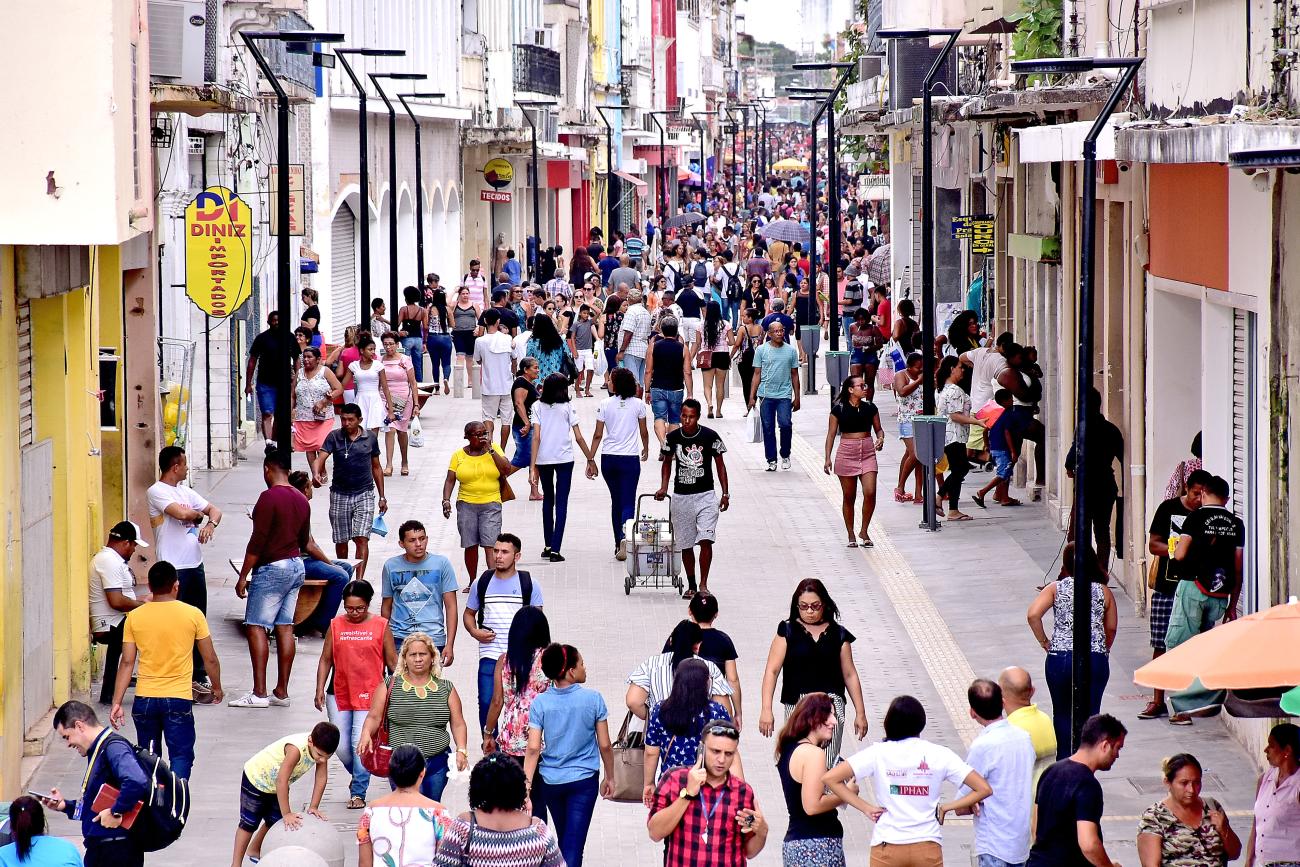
[(837, 369), (810, 338), (928, 431)]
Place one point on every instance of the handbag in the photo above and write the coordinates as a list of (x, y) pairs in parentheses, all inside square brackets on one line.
[(629, 763), (704, 359), (569, 367), (375, 760), (1153, 572), (755, 431), (507, 492)]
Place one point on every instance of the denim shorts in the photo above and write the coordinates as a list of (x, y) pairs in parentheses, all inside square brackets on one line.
[(667, 405), (864, 357), (273, 593), (1001, 464), (266, 395), (256, 806), (905, 430), (523, 455)]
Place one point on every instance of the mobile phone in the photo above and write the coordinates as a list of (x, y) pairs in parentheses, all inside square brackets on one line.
[(43, 797)]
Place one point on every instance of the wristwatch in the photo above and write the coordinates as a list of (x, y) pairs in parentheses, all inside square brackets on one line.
[(687, 796)]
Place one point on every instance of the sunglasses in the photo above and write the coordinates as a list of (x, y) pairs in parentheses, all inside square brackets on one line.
[(722, 729), (810, 606)]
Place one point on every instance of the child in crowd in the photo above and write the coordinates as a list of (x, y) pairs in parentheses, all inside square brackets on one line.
[(1004, 447), (264, 789)]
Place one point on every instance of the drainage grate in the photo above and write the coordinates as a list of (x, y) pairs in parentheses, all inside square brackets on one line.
[(1156, 785)]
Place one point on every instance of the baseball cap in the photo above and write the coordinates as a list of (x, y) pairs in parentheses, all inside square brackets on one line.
[(127, 531)]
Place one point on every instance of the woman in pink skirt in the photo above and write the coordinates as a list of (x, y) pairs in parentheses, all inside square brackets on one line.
[(314, 393), (854, 419), (399, 375)]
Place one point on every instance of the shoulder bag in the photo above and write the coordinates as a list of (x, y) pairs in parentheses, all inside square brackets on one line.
[(375, 760), (629, 763)]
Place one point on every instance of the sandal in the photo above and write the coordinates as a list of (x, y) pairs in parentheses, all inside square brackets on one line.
[(406, 471), (852, 544), (958, 516), (900, 497), (388, 471), (1010, 501), (356, 802), (867, 543), (979, 501), (688, 594)]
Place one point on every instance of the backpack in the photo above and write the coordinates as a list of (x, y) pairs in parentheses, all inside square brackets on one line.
[(166, 803), (700, 275), (680, 281), (525, 587), (733, 286)]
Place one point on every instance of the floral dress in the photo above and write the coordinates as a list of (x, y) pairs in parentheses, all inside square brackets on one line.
[(1180, 845), (403, 836), (909, 405), (512, 725), (676, 751)]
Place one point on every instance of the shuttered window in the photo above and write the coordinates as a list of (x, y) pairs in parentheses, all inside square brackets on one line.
[(26, 425), (1243, 428), (343, 273)]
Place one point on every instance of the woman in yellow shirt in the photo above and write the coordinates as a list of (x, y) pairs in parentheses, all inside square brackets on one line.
[(480, 469)]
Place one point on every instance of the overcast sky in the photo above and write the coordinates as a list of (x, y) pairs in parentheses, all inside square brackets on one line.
[(782, 20)]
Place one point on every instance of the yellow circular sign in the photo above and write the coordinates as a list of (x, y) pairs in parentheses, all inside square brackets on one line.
[(498, 173)]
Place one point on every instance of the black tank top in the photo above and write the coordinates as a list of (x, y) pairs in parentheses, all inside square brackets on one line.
[(669, 356), (802, 826), (412, 327)]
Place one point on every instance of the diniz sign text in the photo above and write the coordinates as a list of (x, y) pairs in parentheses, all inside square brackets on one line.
[(979, 229), (218, 251)]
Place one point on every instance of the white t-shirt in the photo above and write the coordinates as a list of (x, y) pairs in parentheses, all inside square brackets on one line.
[(108, 571), (172, 538), (492, 352), (622, 426), (521, 339), (557, 421), (906, 778), (986, 364)]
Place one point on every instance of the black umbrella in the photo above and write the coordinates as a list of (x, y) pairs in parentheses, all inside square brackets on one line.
[(785, 230), (690, 218)]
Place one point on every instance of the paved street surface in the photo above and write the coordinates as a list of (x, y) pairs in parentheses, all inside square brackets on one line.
[(930, 612)]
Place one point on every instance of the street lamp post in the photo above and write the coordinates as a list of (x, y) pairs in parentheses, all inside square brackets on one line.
[(812, 95), (611, 198), (284, 298), (696, 115), (931, 516), (392, 179), (1081, 676), (363, 150), (733, 128), (663, 181), (536, 252), (419, 181)]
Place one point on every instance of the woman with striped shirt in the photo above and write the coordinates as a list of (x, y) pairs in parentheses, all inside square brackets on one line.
[(420, 705)]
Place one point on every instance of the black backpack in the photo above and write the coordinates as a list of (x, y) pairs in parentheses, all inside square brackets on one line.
[(733, 284), (525, 587), (166, 802)]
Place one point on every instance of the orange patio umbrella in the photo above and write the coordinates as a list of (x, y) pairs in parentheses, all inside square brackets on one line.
[(1253, 652)]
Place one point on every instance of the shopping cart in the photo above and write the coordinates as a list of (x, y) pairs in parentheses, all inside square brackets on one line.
[(652, 560)]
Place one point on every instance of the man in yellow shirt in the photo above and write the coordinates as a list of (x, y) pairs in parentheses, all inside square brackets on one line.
[(1017, 701), (163, 633)]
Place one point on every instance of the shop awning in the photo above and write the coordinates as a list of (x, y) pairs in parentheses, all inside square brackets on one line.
[(631, 179)]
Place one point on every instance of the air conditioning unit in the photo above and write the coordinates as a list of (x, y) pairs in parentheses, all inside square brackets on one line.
[(196, 145), (870, 66), (909, 60), (544, 36), (176, 40)]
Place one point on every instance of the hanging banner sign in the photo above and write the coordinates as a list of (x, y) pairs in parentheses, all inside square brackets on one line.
[(498, 173), (502, 196), (978, 229), (218, 251), (297, 201)]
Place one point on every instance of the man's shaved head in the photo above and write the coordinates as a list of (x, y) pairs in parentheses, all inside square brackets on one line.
[(1017, 687)]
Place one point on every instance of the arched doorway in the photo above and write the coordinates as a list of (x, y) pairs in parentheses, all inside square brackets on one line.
[(435, 246), (453, 232), (406, 261)]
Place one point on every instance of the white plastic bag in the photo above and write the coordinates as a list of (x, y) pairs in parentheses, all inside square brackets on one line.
[(416, 433), (602, 362), (755, 430)]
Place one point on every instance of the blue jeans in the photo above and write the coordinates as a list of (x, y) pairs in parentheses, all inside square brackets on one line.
[(440, 352), (523, 448), (994, 861), (1058, 669), (570, 806), (636, 364), (621, 474), (414, 347), (487, 682), (349, 723), (556, 480), (170, 720), (338, 574), (435, 777), (775, 412)]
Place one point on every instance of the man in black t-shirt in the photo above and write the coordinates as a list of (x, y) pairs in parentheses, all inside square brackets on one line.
[(694, 451), (272, 354), (1166, 529), (1209, 556), (1070, 803)]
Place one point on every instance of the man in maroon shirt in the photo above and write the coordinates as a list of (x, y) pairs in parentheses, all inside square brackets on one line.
[(708, 816), (281, 531)]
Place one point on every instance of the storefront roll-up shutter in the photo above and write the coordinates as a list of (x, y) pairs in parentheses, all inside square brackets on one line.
[(343, 273), (26, 425), (1243, 476)]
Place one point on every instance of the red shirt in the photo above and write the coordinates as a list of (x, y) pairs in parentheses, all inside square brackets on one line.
[(358, 660), (883, 311), (725, 846), (281, 525)]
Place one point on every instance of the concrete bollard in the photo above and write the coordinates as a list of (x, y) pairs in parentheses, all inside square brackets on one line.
[(315, 837), (294, 856)]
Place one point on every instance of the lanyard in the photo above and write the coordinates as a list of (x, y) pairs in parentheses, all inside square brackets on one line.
[(708, 813), (90, 764)]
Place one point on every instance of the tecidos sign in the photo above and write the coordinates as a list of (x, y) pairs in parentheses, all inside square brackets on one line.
[(218, 251), (498, 173)]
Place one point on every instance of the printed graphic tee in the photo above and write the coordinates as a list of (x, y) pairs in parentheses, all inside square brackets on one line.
[(693, 470), (906, 778)]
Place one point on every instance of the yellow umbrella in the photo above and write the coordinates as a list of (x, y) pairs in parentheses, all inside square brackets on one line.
[(1248, 653), (790, 164)]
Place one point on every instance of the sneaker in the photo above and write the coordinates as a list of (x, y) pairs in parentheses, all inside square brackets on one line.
[(249, 702), (546, 553), (276, 701), (557, 557), (620, 551), (771, 466), (1153, 710), (785, 463), (1180, 719)]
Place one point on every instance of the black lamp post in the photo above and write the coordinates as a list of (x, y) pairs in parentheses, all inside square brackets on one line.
[(765, 152), (392, 180), (363, 149), (536, 252), (663, 182), (419, 180), (931, 516), (1081, 676), (812, 94), (732, 129), (699, 127), (611, 197), (283, 273)]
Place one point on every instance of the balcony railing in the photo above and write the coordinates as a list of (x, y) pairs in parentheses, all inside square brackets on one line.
[(537, 70)]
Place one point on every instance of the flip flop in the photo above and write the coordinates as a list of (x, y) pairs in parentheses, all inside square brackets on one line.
[(961, 518), (1011, 502), (851, 545), (356, 803), (688, 594), (900, 497), (979, 501)]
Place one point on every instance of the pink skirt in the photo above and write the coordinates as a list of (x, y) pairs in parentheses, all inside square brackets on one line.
[(309, 436), (855, 457)]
